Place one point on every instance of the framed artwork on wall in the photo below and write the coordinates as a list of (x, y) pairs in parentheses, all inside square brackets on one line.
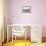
[(26, 9)]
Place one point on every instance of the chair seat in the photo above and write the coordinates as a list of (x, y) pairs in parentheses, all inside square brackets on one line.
[(18, 33)]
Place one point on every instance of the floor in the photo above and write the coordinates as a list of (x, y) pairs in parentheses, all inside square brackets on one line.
[(23, 43), (18, 43)]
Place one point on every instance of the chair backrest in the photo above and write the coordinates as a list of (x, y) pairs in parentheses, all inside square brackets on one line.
[(18, 30)]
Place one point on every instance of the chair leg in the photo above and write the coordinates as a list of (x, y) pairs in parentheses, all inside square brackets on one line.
[(15, 38)]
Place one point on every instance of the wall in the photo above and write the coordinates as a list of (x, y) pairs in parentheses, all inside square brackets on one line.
[(1, 21), (38, 15)]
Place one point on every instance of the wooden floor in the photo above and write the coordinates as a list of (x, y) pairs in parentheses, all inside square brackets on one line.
[(23, 43), (18, 43)]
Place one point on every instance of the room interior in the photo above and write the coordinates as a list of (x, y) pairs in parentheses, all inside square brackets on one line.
[(22, 22)]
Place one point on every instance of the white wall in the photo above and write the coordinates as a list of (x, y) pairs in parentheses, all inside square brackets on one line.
[(38, 15)]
